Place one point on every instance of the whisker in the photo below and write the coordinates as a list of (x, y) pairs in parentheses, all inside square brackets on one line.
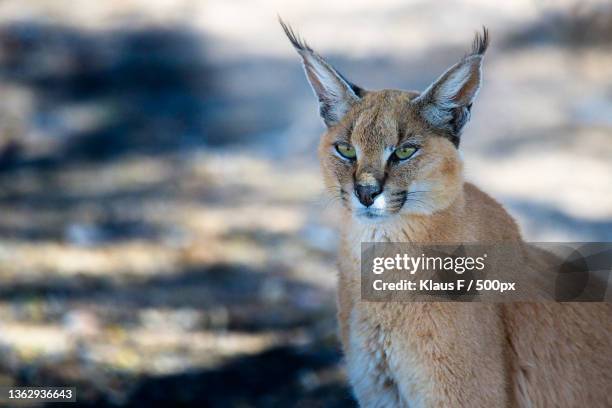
[(335, 194), (418, 192), (422, 203)]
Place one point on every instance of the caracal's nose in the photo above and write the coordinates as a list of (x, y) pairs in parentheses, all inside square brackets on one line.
[(366, 193)]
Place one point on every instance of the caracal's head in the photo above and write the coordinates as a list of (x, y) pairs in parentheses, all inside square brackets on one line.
[(393, 152)]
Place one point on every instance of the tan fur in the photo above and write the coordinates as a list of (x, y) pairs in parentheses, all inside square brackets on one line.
[(440, 354), (453, 354)]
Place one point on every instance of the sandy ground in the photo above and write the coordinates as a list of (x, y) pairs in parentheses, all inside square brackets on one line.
[(163, 235)]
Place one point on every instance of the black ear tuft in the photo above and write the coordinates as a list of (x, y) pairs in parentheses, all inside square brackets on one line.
[(335, 93), (447, 103), (297, 42), (481, 42)]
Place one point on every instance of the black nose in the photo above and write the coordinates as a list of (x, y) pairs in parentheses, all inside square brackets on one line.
[(367, 193)]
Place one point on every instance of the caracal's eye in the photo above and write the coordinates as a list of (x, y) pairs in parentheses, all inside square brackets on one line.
[(404, 152), (346, 150)]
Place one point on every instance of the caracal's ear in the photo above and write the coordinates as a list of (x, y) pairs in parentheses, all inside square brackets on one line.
[(336, 95), (446, 104)]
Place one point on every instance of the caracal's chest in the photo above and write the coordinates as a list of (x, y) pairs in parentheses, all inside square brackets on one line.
[(379, 358)]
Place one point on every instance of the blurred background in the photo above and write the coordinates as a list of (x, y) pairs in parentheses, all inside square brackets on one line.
[(163, 236)]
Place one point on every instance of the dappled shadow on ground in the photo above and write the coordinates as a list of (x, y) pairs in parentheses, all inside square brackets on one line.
[(269, 379), (253, 300), (103, 94), (301, 370), (130, 262), (279, 377)]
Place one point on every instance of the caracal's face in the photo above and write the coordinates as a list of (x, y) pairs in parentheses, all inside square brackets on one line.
[(382, 160), (388, 153)]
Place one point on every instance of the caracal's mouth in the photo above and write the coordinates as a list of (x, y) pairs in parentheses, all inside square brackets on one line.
[(385, 205)]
